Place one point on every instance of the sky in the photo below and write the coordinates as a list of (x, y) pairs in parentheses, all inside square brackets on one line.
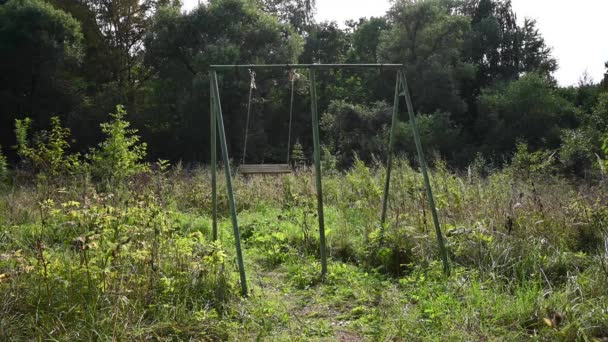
[(575, 30)]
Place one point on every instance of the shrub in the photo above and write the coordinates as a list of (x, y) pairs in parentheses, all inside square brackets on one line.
[(526, 163), (120, 155), (528, 109), (3, 166), (297, 154), (355, 129), (437, 133), (577, 153), (47, 155)]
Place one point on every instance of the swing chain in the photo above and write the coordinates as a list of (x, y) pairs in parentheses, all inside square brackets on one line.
[(252, 76), (293, 77), (252, 86)]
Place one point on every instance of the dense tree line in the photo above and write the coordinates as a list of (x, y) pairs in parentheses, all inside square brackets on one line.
[(481, 81)]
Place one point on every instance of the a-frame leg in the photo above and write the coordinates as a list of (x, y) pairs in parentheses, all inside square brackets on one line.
[(220, 126), (425, 175), (317, 160), (391, 148), (213, 137)]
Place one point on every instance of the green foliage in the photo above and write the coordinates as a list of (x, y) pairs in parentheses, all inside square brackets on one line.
[(328, 44), (527, 164), (500, 47), (598, 118), (48, 152), (33, 25), (520, 270), (328, 161), (528, 245), (297, 153), (437, 133), (428, 37), (39, 45), (605, 148), (579, 150), (298, 13), (233, 31), (21, 133), (85, 262), (474, 72), (121, 155), (3, 166), (366, 38), (355, 131), (527, 109)]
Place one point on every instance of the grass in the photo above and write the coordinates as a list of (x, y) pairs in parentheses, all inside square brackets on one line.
[(530, 259)]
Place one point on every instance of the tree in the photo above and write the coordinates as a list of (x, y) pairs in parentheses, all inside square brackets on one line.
[(604, 82), (500, 49), (366, 38), (428, 38), (121, 154), (356, 131), (584, 95), (123, 24), (329, 44), (40, 45), (528, 109), (297, 13), (180, 47)]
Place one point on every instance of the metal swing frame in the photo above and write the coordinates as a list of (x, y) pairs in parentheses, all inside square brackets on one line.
[(217, 126)]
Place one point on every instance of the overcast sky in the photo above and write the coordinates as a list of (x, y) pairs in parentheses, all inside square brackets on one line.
[(574, 29)]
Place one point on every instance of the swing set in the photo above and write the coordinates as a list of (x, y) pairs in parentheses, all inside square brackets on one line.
[(217, 128)]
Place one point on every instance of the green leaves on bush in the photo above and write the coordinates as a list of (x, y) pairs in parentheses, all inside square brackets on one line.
[(121, 154), (3, 166), (526, 163), (47, 154)]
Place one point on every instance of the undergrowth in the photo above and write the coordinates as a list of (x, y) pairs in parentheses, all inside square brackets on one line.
[(130, 256)]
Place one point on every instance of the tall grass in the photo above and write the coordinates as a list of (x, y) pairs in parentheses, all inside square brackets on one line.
[(138, 263)]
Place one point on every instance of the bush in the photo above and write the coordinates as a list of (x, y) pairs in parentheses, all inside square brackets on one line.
[(47, 155), (355, 130), (527, 109), (578, 151), (120, 155), (437, 133), (525, 164), (3, 166)]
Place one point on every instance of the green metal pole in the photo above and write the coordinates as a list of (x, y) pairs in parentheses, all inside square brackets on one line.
[(391, 146), (224, 147), (213, 136), (317, 159), (425, 175)]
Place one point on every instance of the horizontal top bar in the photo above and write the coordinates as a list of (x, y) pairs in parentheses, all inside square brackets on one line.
[(304, 66)]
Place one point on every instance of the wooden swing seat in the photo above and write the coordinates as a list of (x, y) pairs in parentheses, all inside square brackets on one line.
[(264, 169)]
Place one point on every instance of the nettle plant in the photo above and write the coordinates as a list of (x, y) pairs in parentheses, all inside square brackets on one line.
[(121, 155)]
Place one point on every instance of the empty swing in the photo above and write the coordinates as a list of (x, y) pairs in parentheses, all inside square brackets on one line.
[(267, 169)]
